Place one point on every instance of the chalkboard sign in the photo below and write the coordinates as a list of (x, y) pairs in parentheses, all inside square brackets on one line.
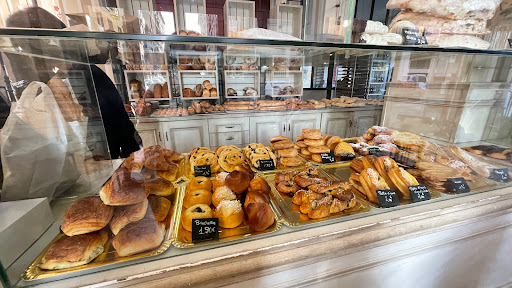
[(500, 175), (374, 151), (203, 170), (347, 156), (458, 185), (328, 158), (267, 165), (413, 37), (205, 229), (419, 193), (387, 198)]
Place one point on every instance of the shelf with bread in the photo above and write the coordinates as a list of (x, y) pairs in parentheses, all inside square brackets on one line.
[(240, 201), (242, 84), (283, 83), (138, 199), (150, 85), (198, 75)]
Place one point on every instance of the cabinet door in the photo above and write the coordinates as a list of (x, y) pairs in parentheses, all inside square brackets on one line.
[(337, 124), (150, 133), (298, 122), (365, 120), (264, 127), (183, 136)]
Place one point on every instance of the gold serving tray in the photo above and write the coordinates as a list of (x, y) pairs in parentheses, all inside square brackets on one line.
[(341, 171), (182, 238), (290, 212), (109, 256)]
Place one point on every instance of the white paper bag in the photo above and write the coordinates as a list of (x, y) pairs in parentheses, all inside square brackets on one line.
[(34, 147)]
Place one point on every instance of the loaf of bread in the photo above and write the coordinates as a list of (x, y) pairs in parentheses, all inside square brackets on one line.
[(157, 91)]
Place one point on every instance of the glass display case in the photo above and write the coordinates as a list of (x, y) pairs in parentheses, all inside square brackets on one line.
[(201, 150)]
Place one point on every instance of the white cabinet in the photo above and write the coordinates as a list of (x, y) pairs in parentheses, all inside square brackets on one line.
[(183, 136), (262, 128), (337, 124), (297, 122), (229, 131), (364, 120), (150, 133)]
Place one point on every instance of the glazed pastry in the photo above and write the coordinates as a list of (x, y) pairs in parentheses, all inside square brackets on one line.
[(222, 193), (383, 165), (280, 145), (320, 208), (402, 180), (124, 215), (291, 162), (343, 147), (319, 149), (289, 153), (200, 183), (259, 216), (297, 197), (194, 197), (279, 138), (357, 165), (238, 181), (86, 215), (139, 236), (312, 134), (230, 158), (259, 184), (158, 207), (286, 187), (74, 251), (371, 182), (199, 211), (369, 162), (314, 142), (230, 213)]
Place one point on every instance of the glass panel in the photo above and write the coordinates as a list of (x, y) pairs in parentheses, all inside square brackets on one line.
[(184, 93)]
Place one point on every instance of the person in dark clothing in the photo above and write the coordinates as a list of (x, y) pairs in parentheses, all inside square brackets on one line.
[(120, 132)]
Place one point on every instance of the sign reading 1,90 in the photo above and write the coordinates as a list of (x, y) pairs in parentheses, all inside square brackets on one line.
[(205, 229)]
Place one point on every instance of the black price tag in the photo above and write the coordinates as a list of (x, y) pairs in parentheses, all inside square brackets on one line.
[(414, 37), (328, 158), (387, 198), (203, 170), (500, 175), (205, 229), (347, 156), (419, 193), (267, 165), (374, 151), (458, 185)]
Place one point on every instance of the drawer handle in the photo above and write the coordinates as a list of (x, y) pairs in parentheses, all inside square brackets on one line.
[(166, 137), (230, 138), (160, 136), (230, 127)]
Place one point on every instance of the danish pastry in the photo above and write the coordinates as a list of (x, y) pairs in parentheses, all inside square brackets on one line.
[(368, 162), (316, 158), (200, 183), (279, 138), (357, 165), (343, 147), (305, 151), (86, 215), (301, 144), (402, 180), (230, 158), (280, 145), (287, 153), (383, 165), (371, 182), (332, 142)]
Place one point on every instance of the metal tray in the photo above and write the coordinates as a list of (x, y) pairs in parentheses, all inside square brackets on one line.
[(341, 171), (109, 256), (182, 238), (290, 212)]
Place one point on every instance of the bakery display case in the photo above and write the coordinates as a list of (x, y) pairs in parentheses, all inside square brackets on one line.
[(238, 161)]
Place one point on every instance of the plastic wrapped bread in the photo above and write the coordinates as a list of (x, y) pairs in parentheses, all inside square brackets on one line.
[(452, 9), (441, 25), (448, 40)]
